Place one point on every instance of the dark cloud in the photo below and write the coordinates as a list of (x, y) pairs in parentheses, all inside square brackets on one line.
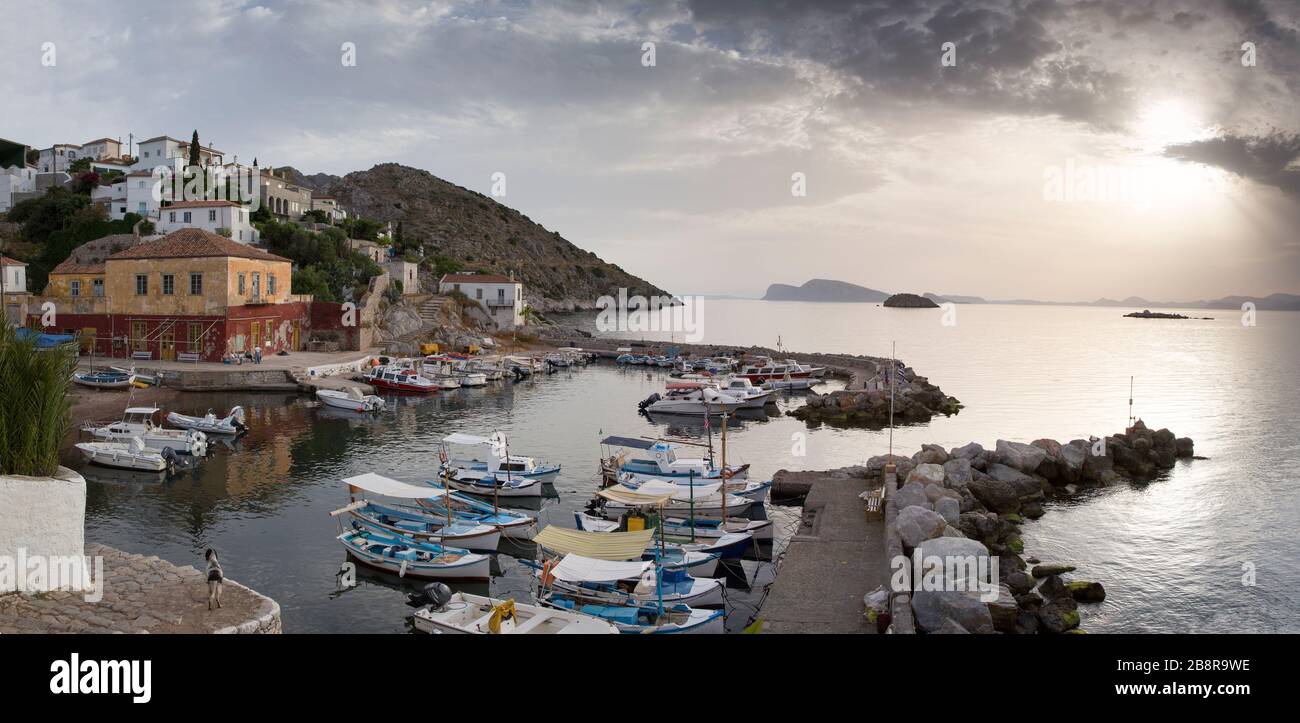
[(1273, 160)]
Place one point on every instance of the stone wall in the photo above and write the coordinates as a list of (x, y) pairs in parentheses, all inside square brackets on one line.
[(43, 516)]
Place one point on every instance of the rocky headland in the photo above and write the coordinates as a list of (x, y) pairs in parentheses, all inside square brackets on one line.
[(1149, 314), (970, 502), (865, 401)]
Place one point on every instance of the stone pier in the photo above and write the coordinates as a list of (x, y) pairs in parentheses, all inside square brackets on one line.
[(141, 594), (833, 561)]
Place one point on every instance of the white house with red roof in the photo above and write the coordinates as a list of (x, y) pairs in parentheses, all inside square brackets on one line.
[(501, 297), (225, 218)]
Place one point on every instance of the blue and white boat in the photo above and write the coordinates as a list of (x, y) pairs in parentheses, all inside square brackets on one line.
[(728, 546), (610, 544), (643, 619), (690, 500), (496, 461), (104, 379), (627, 583), (407, 557), (662, 463), (429, 527), (513, 525)]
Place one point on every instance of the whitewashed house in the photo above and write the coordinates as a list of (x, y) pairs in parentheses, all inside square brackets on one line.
[(500, 297), (226, 218), (329, 205), (112, 197), (15, 290), (15, 180), (140, 197), (161, 150)]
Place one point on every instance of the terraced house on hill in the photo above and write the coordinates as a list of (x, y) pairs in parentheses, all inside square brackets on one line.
[(189, 295)]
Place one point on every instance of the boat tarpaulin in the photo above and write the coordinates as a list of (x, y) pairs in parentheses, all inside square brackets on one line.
[(458, 438), (632, 442), (678, 492), (382, 485), (599, 545), (632, 498), (576, 568)]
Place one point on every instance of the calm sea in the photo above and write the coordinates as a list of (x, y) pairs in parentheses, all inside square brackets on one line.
[(1172, 553)]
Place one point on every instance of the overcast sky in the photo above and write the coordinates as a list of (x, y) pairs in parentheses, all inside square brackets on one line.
[(967, 179)]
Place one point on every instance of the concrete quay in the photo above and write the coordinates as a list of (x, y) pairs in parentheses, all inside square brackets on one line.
[(835, 558), (141, 595)]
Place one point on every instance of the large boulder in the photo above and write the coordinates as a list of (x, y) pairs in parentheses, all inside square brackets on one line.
[(911, 494), (1059, 615), (933, 609), (1003, 610), (927, 474), (996, 495), (968, 451), (917, 524), (1024, 457), (957, 473), (1085, 591), (949, 509), (1050, 446), (960, 555), (1071, 457), (1184, 447)]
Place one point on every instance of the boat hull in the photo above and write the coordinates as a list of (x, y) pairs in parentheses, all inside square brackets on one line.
[(488, 487), (470, 566), (470, 615), (102, 454)]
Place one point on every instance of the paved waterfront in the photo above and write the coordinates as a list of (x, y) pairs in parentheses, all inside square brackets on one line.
[(836, 558), (141, 595)]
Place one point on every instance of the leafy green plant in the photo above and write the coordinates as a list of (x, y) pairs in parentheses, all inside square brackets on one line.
[(34, 404)]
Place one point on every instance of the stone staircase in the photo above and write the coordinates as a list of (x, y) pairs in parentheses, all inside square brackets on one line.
[(431, 307)]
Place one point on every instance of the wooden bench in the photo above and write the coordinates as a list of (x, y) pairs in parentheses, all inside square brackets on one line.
[(874, 499), (189, 356), (145, 355)]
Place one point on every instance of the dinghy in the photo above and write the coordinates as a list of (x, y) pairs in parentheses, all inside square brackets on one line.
[(142, 423), (130, 454), (407, 557), (104, 380), (478, 615), (351, 400), (232, 423)]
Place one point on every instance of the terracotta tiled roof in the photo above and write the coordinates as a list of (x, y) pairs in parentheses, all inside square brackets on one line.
[(477, 279), (6, 261), (193, 243)]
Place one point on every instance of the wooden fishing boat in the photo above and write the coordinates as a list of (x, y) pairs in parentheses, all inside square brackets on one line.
[(690, 500), (407, 557), (645, 619), (513, 525), (478, 615), (398, 378), (492, 485), (352, 400), (428, 527), (231, 424), (103, 379), (728, 546), (495, 462), (627, 583), (663, 463)]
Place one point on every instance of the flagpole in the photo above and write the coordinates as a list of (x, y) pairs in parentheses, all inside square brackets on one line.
[(893, 349)]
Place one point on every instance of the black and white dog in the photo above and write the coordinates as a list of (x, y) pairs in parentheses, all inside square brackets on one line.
[(214, 578)]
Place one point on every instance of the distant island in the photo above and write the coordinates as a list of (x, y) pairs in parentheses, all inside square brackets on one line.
[(824, 290), (910, 301), (1149, 314), (830, 290)]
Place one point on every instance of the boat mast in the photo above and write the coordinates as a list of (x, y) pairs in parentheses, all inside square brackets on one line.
[(726, 475), (496, 485), (893, 376), (1130, 401)]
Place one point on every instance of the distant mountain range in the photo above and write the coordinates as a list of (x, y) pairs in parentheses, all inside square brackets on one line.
[(842, 291)]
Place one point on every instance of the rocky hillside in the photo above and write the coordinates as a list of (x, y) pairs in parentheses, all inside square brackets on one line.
[(480, 234), (823, 290)]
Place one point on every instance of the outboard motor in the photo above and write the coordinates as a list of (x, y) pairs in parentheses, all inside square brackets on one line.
[(438, 595), (169, 456), (648, 401)]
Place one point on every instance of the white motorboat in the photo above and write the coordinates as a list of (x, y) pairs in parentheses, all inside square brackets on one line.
[(127, 455), (232, 423), (479, 615), (763, 369), (697, 402), (143, 423), (352, 399), (697, 500), (496, 461)]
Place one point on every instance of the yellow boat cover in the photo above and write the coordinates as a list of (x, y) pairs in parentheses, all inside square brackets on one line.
[(633, 498), (597, 545)]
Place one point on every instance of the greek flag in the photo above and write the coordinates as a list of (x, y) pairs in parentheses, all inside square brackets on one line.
[(899, 379)]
